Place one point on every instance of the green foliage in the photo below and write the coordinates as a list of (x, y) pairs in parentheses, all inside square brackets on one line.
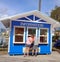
[(54, 38), (55, 14)]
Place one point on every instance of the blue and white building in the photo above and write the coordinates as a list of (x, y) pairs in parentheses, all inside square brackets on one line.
[(33, 22)]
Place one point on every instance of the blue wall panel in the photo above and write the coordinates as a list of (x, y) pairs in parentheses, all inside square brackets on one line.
[(18, 48)]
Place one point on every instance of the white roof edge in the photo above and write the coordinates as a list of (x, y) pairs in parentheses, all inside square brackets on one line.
[(41, 15), (47, 17), (30, 12), (9, 17), (2, 26)]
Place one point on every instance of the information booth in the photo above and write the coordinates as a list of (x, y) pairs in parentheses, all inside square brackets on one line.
[(22, 27)]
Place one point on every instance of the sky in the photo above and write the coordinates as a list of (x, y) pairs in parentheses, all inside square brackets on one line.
[(13, 7)]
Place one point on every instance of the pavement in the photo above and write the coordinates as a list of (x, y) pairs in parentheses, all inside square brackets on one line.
[(54, 57)]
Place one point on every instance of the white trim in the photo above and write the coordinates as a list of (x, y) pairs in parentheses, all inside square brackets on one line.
[(39, 49), (31, 28), (24, 49), (39, 20), (30, 21), (47, 35), (23, 36), (9, 45), (28, 18), (49, 20), (9, 38), (51, 40), (34, 18)]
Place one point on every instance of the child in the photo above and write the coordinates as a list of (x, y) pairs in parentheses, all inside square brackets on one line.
[(35, 47)]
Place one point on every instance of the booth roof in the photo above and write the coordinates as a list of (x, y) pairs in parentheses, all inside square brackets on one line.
[(2, 26), (54, 23)]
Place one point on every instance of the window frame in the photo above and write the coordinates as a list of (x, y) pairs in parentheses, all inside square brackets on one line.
[(18, 35), (31, 28), (40, 35)]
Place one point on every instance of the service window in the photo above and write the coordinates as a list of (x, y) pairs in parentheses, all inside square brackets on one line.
[(43, 36), (31, 31), (19, 35)]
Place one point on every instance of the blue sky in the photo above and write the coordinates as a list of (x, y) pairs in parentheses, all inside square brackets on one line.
[(13, 7)]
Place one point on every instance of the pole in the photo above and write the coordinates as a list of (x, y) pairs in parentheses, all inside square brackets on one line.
[(39, 5)]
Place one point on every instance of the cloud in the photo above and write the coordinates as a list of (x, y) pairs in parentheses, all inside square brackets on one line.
[(57, 2)]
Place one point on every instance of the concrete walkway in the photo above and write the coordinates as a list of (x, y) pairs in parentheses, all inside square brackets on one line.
[(54, 57)]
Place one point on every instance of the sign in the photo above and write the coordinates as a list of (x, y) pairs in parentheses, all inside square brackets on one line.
[(30, 24)]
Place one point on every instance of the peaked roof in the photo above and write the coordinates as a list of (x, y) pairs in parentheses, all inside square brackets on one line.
[(2, 26), (37, 15)]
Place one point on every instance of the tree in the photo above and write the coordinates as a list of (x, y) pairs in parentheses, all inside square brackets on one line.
[(55, 14)]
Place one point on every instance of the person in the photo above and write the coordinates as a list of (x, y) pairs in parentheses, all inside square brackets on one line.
[(35, 47), (57, 43), (29, 41)]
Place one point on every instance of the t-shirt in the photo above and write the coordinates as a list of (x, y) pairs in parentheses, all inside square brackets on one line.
[(36, 41), (29, 40)]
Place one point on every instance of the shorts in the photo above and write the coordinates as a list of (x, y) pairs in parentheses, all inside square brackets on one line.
[(27, 45), (35, 47)]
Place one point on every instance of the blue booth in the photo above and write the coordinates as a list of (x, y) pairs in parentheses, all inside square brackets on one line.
[(25, 25)]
